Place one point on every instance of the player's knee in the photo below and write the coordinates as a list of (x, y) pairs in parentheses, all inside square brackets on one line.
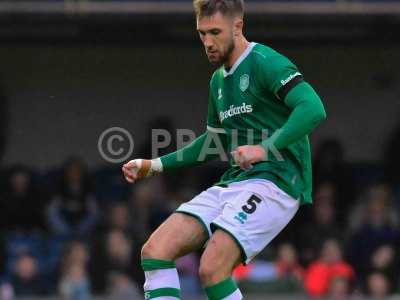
[(150, 250), (146, 250), (207, 273), (156, 250), (212, 271)]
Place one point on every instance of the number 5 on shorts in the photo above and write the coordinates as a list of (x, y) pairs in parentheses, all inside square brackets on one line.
[(251, 205)]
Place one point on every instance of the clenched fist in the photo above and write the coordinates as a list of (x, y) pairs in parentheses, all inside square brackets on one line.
[(246, 156), (141, 168)]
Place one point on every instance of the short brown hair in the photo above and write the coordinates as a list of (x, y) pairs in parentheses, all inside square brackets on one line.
[(206, 8)]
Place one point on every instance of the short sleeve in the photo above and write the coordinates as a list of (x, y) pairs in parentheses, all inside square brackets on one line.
[(279, 75)]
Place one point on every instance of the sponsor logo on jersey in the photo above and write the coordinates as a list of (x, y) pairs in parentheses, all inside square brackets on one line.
[(244, 82), (287, 80), (235, 110)]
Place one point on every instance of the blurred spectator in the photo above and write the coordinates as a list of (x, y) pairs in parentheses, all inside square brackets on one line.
[(25, 277), (119, 249), (378, 286), (121, 224), (6, 291), (21, 202), (73, 211), (339, 289), (374, 223), (321, 274), (330, 165), (116, 252), (286, 266), (75, 253), (74, 282), (150, 206), (118, 216), (121, 287), (141, 201), (323, 224), (384, 261)]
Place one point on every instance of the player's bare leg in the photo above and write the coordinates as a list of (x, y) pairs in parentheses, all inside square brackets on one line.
[(219, 259), (178, 235)]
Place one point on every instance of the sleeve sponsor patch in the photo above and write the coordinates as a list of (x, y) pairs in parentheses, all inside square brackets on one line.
[(289, 83)]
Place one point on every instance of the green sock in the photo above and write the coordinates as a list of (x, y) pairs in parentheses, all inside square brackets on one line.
[(162, 281), (226, 289)]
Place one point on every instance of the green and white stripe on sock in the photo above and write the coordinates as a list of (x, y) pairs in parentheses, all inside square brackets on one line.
[(225, 290), (162, 281)]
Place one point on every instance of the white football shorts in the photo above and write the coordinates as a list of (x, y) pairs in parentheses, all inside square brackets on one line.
[(252, 211)]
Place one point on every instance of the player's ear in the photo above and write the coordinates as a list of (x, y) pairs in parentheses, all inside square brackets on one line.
[(238, 26)]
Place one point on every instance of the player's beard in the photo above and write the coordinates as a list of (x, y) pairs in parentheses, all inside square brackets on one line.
[(224, 57)]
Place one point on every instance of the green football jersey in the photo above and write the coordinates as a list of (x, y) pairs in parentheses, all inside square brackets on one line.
[(247, 104)]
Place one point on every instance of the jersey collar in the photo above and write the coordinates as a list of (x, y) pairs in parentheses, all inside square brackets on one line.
[(239, 60)]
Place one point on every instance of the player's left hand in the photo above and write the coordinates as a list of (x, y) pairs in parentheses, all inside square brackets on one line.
[(246, 156)]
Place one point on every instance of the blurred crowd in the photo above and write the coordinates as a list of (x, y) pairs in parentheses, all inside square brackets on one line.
[(76, 233)]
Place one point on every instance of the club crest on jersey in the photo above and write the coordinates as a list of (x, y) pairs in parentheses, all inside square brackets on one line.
[(244, 82)]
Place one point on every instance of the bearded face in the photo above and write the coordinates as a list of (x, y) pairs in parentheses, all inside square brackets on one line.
[(216, 34), (218, 56)]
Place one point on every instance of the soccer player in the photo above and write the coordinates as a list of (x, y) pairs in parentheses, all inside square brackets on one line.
[(256, 92)]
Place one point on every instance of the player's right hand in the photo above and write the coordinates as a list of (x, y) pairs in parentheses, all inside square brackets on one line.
[(136, 169)]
